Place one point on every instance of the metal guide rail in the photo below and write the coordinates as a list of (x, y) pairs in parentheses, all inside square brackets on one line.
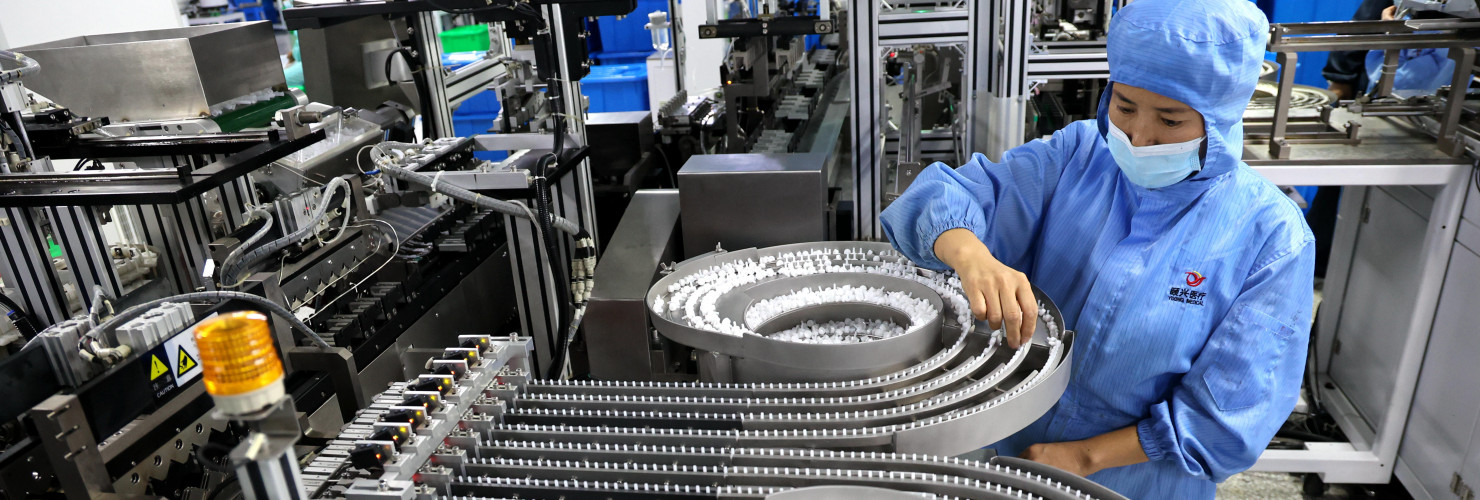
[(427, 438)]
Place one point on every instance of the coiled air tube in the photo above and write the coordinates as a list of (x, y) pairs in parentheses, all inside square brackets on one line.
[(230, 267), (236, 253)]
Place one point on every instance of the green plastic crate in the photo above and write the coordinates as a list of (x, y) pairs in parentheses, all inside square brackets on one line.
[(471, 38)]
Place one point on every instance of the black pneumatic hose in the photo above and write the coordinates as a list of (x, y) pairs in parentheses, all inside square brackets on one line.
[(20, 317), (543, 205), (561, 281)]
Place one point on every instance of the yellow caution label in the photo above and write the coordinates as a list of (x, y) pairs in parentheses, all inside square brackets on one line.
[(157, 367), (186, 362)]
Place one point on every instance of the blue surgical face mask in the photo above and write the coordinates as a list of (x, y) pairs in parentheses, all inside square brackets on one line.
[(1156, 166)]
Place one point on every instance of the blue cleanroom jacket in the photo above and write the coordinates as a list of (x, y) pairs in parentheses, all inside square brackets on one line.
[(1419, 70), (1192, 302)]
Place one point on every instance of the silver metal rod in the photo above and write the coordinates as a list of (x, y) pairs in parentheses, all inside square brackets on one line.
[(1389, 72), (1464, 64), (1278, 148)]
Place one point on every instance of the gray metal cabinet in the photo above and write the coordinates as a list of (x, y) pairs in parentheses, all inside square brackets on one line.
[(1386, 265), (1446, 402)]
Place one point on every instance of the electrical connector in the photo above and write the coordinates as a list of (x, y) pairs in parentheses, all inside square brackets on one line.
[(429, 402), (370, 455), (395, 432), (431, 383), (416, 416)]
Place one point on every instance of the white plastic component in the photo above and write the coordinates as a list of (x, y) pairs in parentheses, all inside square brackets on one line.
[(693, 298), (248, 402), (918, 309), (153, 327), (658, 26), (848, 331)]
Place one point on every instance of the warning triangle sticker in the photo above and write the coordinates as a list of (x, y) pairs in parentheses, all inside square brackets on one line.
[(157, 367), (186, 362)]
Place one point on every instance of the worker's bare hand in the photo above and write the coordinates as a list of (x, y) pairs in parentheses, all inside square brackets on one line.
[(1390, 13), (998, 294), (1343, 90), (1073, 456)]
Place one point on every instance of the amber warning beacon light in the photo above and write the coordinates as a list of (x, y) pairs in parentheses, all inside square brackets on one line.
[(240, 364)]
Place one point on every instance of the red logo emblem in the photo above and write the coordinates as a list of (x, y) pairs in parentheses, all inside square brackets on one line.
[(1194, 279)]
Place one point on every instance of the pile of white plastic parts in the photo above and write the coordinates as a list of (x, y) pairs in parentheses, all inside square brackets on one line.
[(693, 298)]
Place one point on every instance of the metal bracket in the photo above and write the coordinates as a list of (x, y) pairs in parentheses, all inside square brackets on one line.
[(1450, 140), (777, 26), (298, 121), (70, 446), (340, 365), (265, 461), (1278, 147)]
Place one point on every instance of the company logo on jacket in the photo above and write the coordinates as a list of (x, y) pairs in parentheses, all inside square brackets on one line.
[(1188, 295)]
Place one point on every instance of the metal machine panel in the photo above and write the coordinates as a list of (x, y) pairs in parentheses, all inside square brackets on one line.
[(1417, 198), (80, 233), (619, 139), (1445, 404), (1470, 469), (180, 234), (334, 64), (159, 74), (1472, 204), (484, 290), (26, 266), (752, 200), (1469, 234), (617, 325), (1384, 276)]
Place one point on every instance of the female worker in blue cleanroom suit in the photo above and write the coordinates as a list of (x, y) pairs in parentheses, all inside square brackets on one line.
[(1186, 275)]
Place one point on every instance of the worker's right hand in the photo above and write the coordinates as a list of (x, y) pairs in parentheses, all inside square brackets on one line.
[(1343, 90), (998, 294)]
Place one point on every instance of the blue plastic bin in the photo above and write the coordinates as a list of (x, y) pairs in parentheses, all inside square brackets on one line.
[(253, 14), (484, 103), (256, 10), (610, 58), (618, 87), (629, 35), (474, 117), (454, 60)]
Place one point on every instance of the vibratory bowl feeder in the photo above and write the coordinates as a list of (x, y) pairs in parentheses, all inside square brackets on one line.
[(852, 340), (839, 370)]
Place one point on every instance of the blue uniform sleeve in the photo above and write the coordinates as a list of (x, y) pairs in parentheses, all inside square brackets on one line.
[(1247, 378), (1418, 69), (1002, 203)]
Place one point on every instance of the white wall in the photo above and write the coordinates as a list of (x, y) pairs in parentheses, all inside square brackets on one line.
[(27, 22)]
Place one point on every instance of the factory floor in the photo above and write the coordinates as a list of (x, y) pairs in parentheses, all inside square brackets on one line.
[(1263, 486), (1281, 486)]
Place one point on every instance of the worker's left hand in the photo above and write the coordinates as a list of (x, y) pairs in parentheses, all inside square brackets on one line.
[(1071, 456)]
